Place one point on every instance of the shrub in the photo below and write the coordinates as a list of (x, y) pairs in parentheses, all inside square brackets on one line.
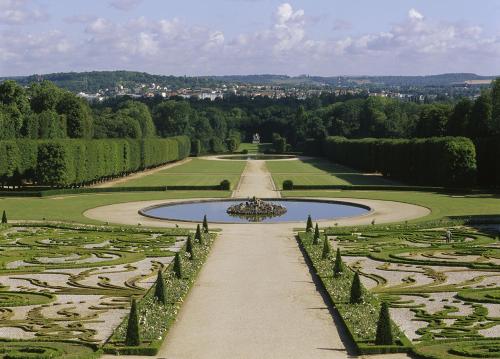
[(316, 235), (288, 185), (189, 248), (384, 328), (4, 217), (225, 185), (338, 266), (177, 265), (160, 293), (133, 338), (309, 224), (196, 148), (326, 248), (197, 235), (356, 291), (245, 151), (205, 224)]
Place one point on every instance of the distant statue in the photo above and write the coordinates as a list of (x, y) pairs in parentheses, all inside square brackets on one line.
[(449, 236), (256, 139)]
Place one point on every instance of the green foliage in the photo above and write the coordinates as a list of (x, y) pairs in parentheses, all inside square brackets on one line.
[(316, 235), (338, 266), (160, 291), (448, 161), (326, 248), (177, 268), (356, 291), (133, 337), (198, 235), (4, 217), (279, 144), (384, 327), (309, 224), (205, 224), (196, 148), (288, 185), (225, 185), (189, 248)]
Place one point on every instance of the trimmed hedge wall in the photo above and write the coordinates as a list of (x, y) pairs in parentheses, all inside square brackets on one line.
[(64, 163), (443, 161), (488, 166)]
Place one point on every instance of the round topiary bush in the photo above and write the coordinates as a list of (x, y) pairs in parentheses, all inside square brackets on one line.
[(245, 151), (225, 185), (288, 185)]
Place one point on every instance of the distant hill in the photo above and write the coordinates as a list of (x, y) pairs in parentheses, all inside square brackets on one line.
[(96, 80)]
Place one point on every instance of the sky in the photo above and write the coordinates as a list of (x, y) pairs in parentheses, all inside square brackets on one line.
[(242, 37)]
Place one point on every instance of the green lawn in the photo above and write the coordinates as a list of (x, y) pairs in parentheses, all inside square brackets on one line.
[(70, 208), (254, 148), (320, 172), (441, 205), (197, 172)]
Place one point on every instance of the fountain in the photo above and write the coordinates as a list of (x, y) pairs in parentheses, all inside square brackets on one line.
[(256, 210)]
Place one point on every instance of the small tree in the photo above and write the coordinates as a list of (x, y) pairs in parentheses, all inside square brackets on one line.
[(326, 248), (160, 292), (205, 224), (133, 338), (384, 327), (4, 218), (356, 291), (309, 225), (316, 235), (338, 267), (178, 265), (198, 235), (189, 248)]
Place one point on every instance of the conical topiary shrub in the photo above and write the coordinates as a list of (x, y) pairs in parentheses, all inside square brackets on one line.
[(198, 235), (4, 218), (189, 248), (133, 337), (326, 248), (316, 235), (205, 224), (338, 267), (309, 224), (356, 291), (384, 327), (160, 292), (177, 265)]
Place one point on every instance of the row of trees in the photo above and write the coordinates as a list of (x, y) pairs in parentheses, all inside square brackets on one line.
[(445, 161), (65, 163)]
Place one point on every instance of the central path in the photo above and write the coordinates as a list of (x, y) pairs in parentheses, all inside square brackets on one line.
[(254, 297)]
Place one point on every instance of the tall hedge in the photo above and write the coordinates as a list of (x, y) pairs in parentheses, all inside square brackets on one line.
[(443, 161), (488, 165), (64, 163)]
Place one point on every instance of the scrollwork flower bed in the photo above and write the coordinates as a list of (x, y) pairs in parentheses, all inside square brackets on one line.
[(359, 319), (155, 319)]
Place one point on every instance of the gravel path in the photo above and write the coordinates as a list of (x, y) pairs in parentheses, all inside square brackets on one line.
[(257, 181)]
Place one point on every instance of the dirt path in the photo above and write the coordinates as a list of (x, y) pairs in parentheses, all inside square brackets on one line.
[(257, 181), (134, 176)]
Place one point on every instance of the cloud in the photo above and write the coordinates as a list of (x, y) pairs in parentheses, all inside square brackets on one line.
[(124, 5), (20, 12), (415, 45)]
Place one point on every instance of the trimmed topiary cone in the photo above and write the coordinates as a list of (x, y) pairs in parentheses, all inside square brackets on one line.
[(384, 327), (309, 224), (133, 338), (326, 248), (205, 224), (316, 235), (178, 265), (198, 235), (189, 248), (160, 292), (356, 291), (338, 267), (4, 218)]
